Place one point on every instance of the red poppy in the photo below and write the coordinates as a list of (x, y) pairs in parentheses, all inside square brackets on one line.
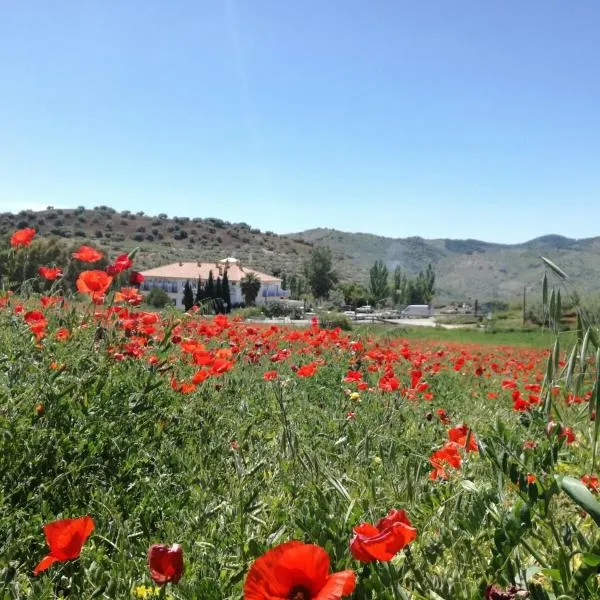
[(297, 571), (22, 237), (62, 334), (352, 377), (165, 563), (129, 295), (460, 434), (65, 538), (200, 376), (50, 273), (383, 540), (122, 263), (270, 375), (448, 456), (94, 283), (87, 254), (307, 370), (592, 483), (135, 278), (443, 416)]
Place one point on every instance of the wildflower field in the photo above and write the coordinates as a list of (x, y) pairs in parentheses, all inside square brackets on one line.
[(147, 454)]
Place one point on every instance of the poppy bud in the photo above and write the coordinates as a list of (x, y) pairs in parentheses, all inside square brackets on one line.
[(550, 427), (39, 409), (165, 563)]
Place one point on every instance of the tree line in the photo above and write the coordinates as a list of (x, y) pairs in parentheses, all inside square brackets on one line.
[(400, 288)]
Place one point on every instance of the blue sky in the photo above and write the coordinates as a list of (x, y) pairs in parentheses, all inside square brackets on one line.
[(437, 118)]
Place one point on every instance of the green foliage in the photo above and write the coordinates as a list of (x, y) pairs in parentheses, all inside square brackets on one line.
[(188, 296), (319, 272), (248, 312), (226, 292), (20, 266), (250, 285), (355, 295), (209, 288), (200, 292), (157, 298), (278, 309), (333, 320), (298, 286), (413, 290), (378, 277)]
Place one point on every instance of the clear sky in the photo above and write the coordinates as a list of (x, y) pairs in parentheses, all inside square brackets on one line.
[(437, 118)]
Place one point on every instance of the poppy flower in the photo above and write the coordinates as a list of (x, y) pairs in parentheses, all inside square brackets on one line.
[(135, 278), (592, 483), (443, 416), (22, 237), (65, 538), (165, 563), (383, 540), (129, 295), (50, 273), (94, 283), (87, 254), (460, 434), (122, 263), (270, 375), (296, 571), (447, 456), (307, 370)]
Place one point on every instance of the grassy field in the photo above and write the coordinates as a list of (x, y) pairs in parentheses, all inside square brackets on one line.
[(534, 338), (231, 438)]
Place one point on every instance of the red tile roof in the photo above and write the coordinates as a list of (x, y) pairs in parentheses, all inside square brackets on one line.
[(193, 271)]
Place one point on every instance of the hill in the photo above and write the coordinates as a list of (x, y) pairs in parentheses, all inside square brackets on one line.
[(469, 268), (162, 239), (465, 268)]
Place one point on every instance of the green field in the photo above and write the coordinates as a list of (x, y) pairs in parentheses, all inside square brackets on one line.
[(163, 429)]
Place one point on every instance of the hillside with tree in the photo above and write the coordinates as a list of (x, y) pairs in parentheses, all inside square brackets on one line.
[(464, 268)]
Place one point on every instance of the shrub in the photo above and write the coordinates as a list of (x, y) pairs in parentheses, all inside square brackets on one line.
[(332, 320), (250, 312), (282, 309), (157, 298)]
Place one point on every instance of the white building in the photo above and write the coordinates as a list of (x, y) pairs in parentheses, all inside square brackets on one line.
[(172, 279)]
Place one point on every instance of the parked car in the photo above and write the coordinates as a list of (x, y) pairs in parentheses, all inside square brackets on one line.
[(417, 310), (365, 309)]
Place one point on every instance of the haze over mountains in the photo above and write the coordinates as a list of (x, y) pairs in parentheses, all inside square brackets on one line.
[(464, 268)]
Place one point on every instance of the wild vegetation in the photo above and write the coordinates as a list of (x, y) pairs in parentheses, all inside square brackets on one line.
[(464, 268), (169, 454)]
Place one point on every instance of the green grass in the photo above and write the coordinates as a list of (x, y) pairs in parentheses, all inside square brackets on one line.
[(536, 338), (99, 425)]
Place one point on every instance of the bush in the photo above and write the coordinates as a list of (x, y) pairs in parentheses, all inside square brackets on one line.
[(157, 298), (250, 312), (282, 309), (332, 320)]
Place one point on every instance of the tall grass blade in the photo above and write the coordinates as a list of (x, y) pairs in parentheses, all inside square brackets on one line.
[(554, 268), (578, 492)]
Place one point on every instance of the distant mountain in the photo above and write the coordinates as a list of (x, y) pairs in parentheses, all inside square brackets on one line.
[(468, 268), (465, 268)]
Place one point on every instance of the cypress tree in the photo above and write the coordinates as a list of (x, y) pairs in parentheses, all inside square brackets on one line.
[(210, 286), (225, 292), (218, 289), (199, 292), (188, 296)]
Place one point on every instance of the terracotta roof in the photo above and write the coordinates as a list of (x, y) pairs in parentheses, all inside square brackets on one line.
[(192, 271)]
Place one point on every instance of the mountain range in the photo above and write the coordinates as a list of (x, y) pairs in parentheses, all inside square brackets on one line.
[(465, 269)]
